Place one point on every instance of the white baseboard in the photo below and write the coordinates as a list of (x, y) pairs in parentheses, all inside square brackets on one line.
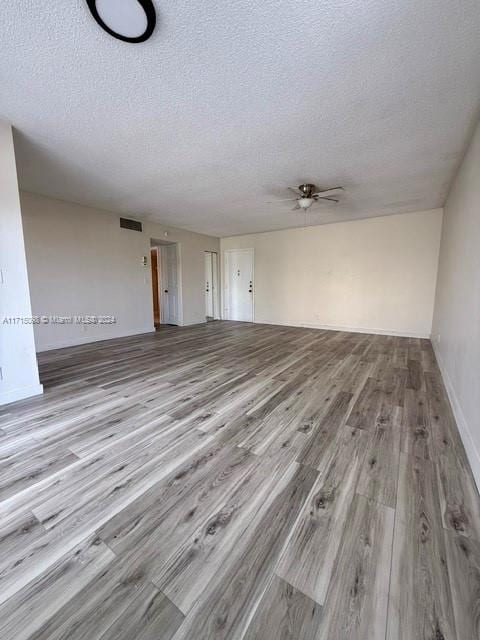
[(472, 453), (21, 393), (368, 330), (61, 344), (192, 324)]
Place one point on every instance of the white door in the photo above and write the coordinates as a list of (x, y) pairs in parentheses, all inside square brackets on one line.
[(169, 304), (215, 289), (209, 311), (239, 285)]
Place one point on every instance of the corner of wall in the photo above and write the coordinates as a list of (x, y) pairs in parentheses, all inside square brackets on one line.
[(21, 393), (473, 454), (456, 305)]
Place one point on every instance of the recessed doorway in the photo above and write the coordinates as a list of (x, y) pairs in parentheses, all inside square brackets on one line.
[(212, 304), (165, 283), (155, 287)]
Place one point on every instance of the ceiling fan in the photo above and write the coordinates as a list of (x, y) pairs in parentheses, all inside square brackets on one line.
[(308, 194)]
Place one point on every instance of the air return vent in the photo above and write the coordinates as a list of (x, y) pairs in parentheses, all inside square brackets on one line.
[(133, 225)]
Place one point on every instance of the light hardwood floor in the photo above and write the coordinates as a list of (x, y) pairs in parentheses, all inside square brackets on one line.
[(236, 481)]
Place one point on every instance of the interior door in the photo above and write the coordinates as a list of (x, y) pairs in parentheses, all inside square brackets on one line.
[(239, 285), (215, 289), (209, 311), (169, 305)]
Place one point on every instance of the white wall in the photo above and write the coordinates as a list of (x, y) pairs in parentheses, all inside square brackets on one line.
[(19, 372), (374, 275), (80, 262), (456, 324)]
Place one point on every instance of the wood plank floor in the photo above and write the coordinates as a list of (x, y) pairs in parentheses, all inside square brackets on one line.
[(234, 481)]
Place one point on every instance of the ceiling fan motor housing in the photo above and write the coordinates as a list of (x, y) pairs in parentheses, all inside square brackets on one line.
[(307, 189)]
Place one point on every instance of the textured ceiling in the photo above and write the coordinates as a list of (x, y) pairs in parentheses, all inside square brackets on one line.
[(229, 102)]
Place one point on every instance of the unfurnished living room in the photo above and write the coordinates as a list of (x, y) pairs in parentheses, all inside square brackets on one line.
[(240, 320)]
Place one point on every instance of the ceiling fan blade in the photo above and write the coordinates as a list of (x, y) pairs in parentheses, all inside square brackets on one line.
[(296, 207), (296, 191), (284, 200), (326, 192), (326, 198)]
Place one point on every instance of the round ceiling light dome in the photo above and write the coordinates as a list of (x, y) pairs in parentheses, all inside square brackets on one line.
[(305, 203), (127, 20)]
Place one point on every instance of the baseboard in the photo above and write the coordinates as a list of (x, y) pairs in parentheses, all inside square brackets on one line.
[(62, 344), (368, 330), (472, 453), (21, 393), (192, 324)]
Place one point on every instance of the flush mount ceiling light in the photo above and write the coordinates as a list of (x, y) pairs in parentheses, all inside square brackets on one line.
[(127, 20)]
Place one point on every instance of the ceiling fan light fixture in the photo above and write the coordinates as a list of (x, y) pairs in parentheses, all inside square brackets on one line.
[(305, 203)]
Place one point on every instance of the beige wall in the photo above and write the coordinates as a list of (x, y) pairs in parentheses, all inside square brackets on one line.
[(18, 363), (375, 275), (80, 262), (456, 324)]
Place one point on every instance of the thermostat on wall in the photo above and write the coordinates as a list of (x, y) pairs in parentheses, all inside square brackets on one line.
[(144, 261)]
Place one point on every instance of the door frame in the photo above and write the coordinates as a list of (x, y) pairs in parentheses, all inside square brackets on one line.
[(159, 287), (215, 284), (217, 313), (226, 280), (160, 246)]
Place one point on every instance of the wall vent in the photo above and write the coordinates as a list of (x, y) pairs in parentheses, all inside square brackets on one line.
[(133, 225)]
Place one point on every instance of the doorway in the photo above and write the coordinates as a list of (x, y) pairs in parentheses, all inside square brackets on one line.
[(238, 299), (155, 286), (165, 286), (211, 286)]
